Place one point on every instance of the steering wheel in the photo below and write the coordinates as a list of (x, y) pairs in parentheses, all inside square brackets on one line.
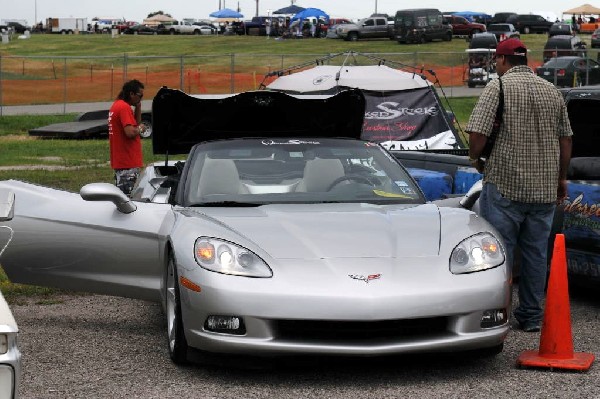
[(356, 178)]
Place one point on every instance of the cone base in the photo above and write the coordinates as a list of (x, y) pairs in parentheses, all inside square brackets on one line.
[(579, 361)]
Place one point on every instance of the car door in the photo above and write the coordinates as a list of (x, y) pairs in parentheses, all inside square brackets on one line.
[(60, 240), (381, 27), (369, 28), (460, 26)]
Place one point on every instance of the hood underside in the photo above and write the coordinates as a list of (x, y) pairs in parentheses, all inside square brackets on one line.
[(179, 121)]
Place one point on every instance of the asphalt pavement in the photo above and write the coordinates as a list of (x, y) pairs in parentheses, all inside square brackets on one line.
[(68, 108)]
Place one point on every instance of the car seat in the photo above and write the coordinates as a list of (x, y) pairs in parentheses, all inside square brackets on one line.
[(220, 176), (319, 174)]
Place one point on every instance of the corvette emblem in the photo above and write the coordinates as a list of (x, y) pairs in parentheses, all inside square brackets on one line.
[(366, 279)]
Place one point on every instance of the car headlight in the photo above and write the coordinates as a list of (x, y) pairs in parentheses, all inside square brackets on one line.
[(225, 257), (476, 253)]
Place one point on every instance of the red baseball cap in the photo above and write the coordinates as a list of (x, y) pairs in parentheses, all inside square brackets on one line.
[(512, 46)]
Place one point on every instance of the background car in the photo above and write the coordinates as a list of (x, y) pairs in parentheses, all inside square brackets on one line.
[(140, 30), (17, 27), (326, 28), (207, 30), (462, 26), (560, 29), (563, 45), (501, 17), (570, 71), (529, 23), (485, 40), (503, 31), (595, 42)]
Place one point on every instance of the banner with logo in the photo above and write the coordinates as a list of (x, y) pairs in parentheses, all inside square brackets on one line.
[(408, 120)]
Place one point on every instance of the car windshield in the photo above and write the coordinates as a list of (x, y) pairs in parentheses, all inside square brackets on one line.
[(265, 171)]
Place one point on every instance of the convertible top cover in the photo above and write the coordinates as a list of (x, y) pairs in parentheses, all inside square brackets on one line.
[(179, 121)]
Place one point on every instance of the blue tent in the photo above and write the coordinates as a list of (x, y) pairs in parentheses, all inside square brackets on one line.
[(311, 12), (226, 13), (473, 15)]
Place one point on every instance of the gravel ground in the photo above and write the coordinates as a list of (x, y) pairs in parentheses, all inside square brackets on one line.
[(104, 347)]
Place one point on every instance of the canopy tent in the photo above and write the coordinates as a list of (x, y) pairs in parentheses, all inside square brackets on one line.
[(310, 12), (289, 10), (226, 13), (158, 19), (403, 111), (585, 9)]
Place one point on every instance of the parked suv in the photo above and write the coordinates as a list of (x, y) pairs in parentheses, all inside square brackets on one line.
[(501, 17), (529, 23), (420, 25), (462, 26), (563, 45), (559, 28)]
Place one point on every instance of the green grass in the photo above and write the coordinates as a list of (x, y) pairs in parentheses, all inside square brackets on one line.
[(104, 45), (21, 124)]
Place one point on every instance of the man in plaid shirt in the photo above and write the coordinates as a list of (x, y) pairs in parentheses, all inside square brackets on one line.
[(525, 174)]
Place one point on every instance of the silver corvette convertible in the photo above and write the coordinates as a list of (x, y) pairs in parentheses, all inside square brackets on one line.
[(282, 233)]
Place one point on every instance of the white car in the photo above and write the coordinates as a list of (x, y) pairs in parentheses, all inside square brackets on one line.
[(282, 233), (10, 356), (207, 30)]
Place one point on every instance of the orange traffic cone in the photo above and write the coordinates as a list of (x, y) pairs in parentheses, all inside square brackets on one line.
[(556, 340)]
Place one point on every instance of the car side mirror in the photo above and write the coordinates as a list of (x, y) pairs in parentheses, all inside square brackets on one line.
[(107, 192)]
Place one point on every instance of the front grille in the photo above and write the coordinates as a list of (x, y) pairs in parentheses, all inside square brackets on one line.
[(336, 331)]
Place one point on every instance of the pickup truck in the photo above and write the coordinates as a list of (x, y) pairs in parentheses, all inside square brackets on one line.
[(257, 26), (443, 175), (180, 27), (367, 28)]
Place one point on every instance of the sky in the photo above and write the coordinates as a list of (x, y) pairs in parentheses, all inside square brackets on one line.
[(29, 10)]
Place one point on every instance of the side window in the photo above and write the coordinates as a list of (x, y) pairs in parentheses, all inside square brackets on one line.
[(369, 22), (461, 20), (380, 22), (435, 19)]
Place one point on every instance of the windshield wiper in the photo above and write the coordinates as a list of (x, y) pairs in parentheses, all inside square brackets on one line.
[(231, 204)]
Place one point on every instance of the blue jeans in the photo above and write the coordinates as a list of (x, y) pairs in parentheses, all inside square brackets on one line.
[(527, 225)]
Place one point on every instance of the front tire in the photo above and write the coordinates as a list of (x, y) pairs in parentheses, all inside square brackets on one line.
[(353, 36), (178, 347)]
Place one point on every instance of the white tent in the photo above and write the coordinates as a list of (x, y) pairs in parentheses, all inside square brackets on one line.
[(324, 78)]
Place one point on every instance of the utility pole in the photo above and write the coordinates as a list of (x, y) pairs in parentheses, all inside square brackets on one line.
[(375, 6), (257, 8)]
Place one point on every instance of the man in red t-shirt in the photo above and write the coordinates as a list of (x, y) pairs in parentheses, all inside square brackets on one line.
[(124, 131)]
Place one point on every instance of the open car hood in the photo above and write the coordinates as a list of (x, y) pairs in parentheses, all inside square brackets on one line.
[(179, 121)]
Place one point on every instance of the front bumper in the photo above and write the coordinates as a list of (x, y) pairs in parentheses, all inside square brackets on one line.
[(382, 317)]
